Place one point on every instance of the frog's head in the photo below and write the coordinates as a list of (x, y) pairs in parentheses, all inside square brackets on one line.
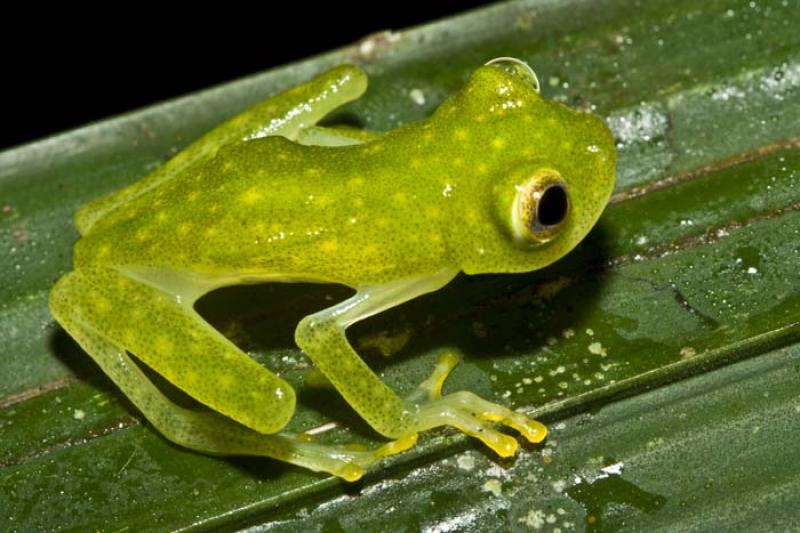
[(542, 174)]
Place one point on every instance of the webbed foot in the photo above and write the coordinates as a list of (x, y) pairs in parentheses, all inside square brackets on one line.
[(348, 462), (470, 413)]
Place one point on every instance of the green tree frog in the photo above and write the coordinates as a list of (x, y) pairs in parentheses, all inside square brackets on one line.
[(497, 180)]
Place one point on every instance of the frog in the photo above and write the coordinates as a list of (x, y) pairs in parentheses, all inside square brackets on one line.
[(496, 180)]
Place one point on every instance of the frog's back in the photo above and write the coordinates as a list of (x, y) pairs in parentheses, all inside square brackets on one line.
[(273, 207)]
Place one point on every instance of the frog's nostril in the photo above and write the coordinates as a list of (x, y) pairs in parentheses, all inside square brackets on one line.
[(553, 206)]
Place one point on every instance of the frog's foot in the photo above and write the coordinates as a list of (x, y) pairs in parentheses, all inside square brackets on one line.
[(469, 413), (348, 462)]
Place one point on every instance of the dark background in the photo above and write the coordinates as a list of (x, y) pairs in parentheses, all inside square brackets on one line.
[(62, 70)]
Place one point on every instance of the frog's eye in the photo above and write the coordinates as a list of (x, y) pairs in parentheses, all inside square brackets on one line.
[(516, 67), (541, 206)]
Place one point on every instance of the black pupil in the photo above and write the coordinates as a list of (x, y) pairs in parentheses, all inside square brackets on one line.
[(552, 206)]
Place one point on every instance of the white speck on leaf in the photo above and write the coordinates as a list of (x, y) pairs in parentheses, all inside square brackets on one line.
[(494, 486), (534, 519), (466, 461), (597, 349), (417, 96)]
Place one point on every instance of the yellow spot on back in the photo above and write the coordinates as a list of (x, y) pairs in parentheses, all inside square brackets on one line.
[(163, 345), (399, 197), (498, 143), (482, 168), (460, 134), (355, 182), (415, 162), (102, 304), (183, 229), (162, 216), (251, 196), (328, 246)]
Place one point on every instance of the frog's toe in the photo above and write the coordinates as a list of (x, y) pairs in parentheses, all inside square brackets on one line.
[(348, 461), (396, 446), (431, 388), (470, 413), (474, 416)]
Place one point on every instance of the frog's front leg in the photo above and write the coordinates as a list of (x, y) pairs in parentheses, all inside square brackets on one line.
[(322, 337)]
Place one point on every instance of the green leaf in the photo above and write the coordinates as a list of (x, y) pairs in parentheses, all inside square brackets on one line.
[(663, 352)]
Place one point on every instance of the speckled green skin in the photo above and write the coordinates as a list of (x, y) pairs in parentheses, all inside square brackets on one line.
[(392, 215)]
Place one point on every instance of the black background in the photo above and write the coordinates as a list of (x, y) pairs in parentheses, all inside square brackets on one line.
[(62, 70)]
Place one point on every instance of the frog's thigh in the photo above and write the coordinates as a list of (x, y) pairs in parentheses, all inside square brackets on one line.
[(322, 337), (176, 342), (206, 432), (285, 114)]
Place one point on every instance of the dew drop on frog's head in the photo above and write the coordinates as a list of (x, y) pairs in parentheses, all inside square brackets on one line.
[(516, 67)]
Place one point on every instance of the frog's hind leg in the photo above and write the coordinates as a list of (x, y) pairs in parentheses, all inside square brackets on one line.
[(335, 136), (162, 329), (286, 114), (77, 306)]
